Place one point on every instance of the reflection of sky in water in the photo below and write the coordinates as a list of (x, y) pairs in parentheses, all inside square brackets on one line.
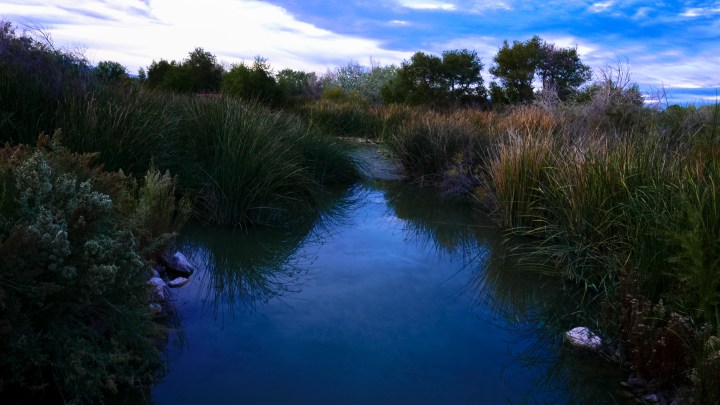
[(378, 315)]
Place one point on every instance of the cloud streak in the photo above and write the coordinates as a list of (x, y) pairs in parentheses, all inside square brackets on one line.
[(666, 43)]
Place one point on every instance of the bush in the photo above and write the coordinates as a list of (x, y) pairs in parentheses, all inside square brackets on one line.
[(75, 323)]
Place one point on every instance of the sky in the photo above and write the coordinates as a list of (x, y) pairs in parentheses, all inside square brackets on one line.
[(669, 47)]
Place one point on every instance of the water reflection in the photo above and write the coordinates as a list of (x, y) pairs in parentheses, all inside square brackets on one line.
[(397, 293), (509, 279), (241, 268)]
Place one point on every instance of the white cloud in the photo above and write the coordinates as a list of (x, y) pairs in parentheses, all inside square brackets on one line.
[(134, 33), (601, 7), (700, 12), (428, 5)]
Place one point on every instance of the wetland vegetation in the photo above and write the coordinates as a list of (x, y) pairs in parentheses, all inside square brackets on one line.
[(615, 201)]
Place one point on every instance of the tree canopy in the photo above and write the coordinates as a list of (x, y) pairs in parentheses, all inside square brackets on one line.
[(520, 65), (199, 72), (252, 82), (451, 80)]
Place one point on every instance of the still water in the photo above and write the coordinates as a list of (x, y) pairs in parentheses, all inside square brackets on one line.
[(393, 295)]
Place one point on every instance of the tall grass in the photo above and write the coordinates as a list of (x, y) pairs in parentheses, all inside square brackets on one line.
[(603, 201), (249, 164)]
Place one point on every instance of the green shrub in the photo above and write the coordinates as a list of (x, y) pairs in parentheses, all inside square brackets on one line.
[(75, 324)]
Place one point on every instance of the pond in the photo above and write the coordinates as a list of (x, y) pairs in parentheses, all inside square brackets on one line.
[(393, 294)]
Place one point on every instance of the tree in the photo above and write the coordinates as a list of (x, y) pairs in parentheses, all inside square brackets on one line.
[(454, 79), (199, 72), (252, 82), (204, 72), (358, 81), (515, 67), (461, 69), (296, 85), (559, 70), (157, 71), (110, 72)]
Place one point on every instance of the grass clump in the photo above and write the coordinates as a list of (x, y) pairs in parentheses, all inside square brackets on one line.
[(248, 164), (605, 201)]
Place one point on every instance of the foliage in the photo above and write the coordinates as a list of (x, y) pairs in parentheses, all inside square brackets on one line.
[(452, 80), (198, 73), (136, 128), (247, 164), (111, 72), (75, 323), (356, 81), (560, 71), (254, 82), (35, 80), (298, 86)]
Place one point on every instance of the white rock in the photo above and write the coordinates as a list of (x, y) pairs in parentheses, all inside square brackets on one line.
[(178, 263), (159, 288), (177, 282), (582, 337)]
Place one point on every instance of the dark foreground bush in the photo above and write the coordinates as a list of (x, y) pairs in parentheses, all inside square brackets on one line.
[(75, 323)]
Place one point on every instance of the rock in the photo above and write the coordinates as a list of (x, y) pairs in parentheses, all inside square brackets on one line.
[(637, 382), (177, 282), (583, 338), (159, 289), (651, 397), (156, 309), (178, 263), (158, 269)]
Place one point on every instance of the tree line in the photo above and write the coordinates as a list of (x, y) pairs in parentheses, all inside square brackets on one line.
[(521, 71)]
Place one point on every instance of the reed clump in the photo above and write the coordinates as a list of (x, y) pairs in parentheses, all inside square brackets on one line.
[(601, 199)]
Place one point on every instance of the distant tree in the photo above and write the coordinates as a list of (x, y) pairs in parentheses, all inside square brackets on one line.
[(157, 71), (254, 82), (461, 69), (203, 71), (296, 85), (560, 70), (517, 67), (110, 72), (142, 76), (454, 79), (357, 82), (199, 72)]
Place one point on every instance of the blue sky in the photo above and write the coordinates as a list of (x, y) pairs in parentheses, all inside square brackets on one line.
[(670, 44)]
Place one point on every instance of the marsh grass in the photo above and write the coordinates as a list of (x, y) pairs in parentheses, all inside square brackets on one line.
[(595, 201), (343, 118), (248, 164)]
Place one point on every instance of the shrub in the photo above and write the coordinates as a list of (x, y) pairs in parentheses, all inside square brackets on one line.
[(75, 324)]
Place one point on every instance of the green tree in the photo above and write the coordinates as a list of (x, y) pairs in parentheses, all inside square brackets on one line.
[(518, 66), (560, 70), (426, 79), (296, 85), (157, 71), (199, 72), (515, 66), (110, 72), (204, 73), (254, 82), (461, 69)]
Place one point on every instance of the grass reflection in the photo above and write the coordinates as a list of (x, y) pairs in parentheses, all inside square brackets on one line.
[(514, 284), (241, 268)]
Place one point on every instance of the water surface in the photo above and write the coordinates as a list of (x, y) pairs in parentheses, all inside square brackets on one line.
[(397, 295)]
